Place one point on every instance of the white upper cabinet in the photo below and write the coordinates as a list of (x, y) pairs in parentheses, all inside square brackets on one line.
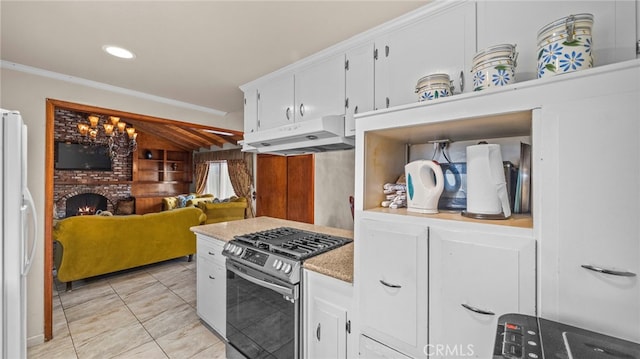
[(440, 42), (311, 92), (518, 22), (319, 89), (475, 277), (275, 102), (250, 110), (590, 238), (359, 84)]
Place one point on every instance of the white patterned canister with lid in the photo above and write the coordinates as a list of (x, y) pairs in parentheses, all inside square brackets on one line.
[(434, 86), (494, 66), (564, 45)]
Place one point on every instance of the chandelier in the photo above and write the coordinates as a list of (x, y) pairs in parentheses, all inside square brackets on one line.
[(120, 139)]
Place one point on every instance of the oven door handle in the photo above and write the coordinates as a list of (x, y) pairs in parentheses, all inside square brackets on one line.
[(277, 288)]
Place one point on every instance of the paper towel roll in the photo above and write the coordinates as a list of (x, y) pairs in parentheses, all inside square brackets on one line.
[(486, 185)]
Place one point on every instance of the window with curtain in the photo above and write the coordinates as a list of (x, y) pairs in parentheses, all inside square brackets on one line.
[(218, 181)]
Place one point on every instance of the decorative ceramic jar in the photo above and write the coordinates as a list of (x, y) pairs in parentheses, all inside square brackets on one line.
[(564, 45), (494, 66), (434, 86)]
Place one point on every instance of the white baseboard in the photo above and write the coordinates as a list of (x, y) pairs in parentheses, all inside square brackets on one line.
[(35, 340)]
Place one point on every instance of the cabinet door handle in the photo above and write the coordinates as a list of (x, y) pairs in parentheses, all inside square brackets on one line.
[(388, 102), (318, 332), (288, 113), (608, 271), (389, 284), (477, 310), (461, 81), (212, 254), (211, 277), (301, 109), (355, 110)]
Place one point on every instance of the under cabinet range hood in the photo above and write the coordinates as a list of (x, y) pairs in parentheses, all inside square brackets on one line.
[(309, 136)]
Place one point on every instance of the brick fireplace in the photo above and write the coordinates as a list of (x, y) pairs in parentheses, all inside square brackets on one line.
[(85, 204), (113, 185)]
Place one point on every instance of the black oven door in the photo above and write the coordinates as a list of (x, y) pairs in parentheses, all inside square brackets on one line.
[(263, 315)]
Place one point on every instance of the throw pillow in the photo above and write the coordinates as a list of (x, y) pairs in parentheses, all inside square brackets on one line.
[(182, 201)]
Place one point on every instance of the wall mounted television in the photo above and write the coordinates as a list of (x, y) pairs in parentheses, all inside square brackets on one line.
[(77, 156)]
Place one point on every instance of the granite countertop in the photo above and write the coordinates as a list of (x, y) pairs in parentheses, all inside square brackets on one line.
[(337, 263)]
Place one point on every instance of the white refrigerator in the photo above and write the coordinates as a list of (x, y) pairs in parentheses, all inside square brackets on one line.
[(18, 235)]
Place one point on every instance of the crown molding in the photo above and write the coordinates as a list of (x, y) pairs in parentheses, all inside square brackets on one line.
[(106, 87)]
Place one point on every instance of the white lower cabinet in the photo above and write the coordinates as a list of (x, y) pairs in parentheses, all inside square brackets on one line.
[(393, 285), (590, 244), (326, 306), (211, 283), (475, 277)]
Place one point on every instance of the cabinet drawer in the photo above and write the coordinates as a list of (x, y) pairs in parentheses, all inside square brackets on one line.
[(393, 287), (372, 349), (210, 249)]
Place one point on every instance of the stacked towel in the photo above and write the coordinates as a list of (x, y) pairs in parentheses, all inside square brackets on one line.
[(396, 195)]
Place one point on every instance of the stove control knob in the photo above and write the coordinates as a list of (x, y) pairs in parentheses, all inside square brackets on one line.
[(278, 264), (238, 251), (287, 268)]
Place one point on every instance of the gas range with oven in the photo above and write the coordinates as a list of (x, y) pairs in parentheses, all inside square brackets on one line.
[(263, 290), (280, 251)]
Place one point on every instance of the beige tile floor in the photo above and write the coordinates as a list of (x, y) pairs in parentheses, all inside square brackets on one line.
[(148, 312)]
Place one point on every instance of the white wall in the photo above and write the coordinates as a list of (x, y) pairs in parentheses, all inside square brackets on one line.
[(27, 93), (334, 183)]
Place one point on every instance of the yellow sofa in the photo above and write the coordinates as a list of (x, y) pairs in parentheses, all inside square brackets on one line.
[(96, 245), (224, 211), (173, 202)]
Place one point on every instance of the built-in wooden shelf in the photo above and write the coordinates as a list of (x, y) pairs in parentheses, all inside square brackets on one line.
[(160, 169), (516, 220)]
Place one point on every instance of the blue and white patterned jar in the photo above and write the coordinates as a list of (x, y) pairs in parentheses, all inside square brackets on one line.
[(494, 66), (493, 74), (434, 86), (564, 45)]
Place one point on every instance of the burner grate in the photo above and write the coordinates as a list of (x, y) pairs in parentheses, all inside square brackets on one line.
[(291, 242)]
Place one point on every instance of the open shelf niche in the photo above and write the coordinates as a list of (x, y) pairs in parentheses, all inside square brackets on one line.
[(388, 150)]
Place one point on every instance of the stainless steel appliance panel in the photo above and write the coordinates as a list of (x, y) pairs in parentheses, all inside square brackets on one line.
[(263, 314)]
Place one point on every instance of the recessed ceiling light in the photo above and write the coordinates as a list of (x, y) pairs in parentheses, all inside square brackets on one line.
[(118, 52)]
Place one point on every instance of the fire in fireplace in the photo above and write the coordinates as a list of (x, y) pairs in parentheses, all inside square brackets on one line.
[(85, 204), (86, 210)]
